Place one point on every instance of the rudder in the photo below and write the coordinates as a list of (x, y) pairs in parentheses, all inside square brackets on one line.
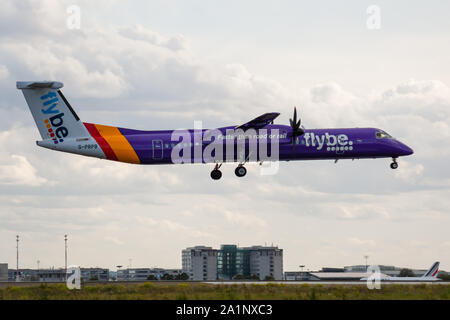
[(54, 117), (433, 271)]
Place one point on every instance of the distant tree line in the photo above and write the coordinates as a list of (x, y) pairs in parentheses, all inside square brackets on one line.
[(405, 272)]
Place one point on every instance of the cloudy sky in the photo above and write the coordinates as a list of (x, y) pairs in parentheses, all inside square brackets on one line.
[(164, 64)]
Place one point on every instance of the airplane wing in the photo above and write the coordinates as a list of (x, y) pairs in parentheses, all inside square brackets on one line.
[(259, 122)]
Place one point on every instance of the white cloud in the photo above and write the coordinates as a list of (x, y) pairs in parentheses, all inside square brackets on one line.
[(248, 221), (4, 73), (19, 171), (410, 172), (331, 93), (361, 243), (28, 17), (138, 32), (114, 240), (428, 99), (168, 225)]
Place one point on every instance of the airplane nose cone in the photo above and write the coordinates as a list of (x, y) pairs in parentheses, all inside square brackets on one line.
[(404, 150), (408, 151)]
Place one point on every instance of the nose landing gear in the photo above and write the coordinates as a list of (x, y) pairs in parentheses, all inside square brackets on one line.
[(394, 164)]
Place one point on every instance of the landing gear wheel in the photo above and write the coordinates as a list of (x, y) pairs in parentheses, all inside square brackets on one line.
[(240, 171), (394, 165), (216, 174)]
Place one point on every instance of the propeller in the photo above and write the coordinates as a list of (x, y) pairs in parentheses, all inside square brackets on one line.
[(296, 129)]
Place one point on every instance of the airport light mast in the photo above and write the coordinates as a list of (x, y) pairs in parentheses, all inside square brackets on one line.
[(17, 258), (117, 272), (65, 256), (302, 275), (366, 257)]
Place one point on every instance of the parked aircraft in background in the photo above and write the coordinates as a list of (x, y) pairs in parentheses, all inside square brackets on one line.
[(430, 275), (61, 129)]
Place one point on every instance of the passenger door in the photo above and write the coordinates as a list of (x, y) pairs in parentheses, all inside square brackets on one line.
[(157, 149)]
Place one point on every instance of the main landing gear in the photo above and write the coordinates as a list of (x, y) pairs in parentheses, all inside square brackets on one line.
[(216, 174), (240, 171), (394, 164)]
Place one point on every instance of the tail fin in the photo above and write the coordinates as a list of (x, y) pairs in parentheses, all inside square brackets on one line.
[(433, 271), (52, 113)]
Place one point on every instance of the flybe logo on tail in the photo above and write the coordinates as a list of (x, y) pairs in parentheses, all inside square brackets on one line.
[(54, 122)]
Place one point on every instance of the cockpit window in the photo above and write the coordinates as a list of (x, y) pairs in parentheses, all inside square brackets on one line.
[(383, 135)]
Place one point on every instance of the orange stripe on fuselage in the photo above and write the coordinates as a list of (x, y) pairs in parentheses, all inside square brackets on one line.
[(119, 144)]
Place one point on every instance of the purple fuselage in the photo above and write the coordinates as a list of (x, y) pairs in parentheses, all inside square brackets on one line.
[(155, 147)]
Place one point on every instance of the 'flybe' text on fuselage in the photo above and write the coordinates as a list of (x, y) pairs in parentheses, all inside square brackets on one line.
[(331, 141)]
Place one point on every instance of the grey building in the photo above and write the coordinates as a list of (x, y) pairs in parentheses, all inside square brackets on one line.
[(3, 272), (57, 275), (206, 263), (389, 270), (249, 262), (49, 275), (44, 275), (143, 274), (265, 262), (94, 274), (299, 276), (200, 263)]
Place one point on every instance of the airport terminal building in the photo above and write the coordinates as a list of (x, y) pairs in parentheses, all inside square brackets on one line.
[(57, 275)]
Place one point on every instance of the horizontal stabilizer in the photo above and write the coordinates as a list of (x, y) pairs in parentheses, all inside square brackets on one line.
[(39, 84)]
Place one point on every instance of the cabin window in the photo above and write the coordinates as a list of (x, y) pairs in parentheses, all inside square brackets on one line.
[(382, 135)]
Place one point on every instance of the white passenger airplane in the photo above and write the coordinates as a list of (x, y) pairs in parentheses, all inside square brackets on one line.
[(430, 275)]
